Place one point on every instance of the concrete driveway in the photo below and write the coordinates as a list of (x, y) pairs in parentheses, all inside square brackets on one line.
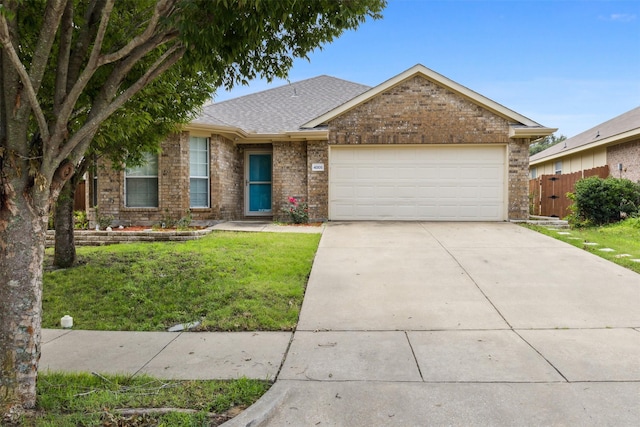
[(413, 324)]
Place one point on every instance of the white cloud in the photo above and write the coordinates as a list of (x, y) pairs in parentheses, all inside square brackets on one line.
[(619, 17)]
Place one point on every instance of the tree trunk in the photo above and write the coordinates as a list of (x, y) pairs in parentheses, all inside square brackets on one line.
[(65, 246), (22, 238)]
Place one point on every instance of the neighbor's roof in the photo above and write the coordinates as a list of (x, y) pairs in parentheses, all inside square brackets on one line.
[(282, 109), (619, 129)]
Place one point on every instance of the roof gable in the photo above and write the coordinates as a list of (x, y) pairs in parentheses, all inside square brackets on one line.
[(616, 130), (514, 118)]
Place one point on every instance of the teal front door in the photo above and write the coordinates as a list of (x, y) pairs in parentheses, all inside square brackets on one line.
[(258, 184)]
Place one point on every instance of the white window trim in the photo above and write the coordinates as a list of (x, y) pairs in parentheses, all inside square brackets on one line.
[(557, 167), (247, 154), (156, 176), (208, 177)]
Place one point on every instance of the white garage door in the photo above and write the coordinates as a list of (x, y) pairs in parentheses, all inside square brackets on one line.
[(435, 183)]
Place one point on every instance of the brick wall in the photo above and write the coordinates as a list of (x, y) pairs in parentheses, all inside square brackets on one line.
[(628, 154), (289, 175), (173, 176), (110, 189), (518, 185), (418, 111), (318, 182), (173, 185), (227, 178)]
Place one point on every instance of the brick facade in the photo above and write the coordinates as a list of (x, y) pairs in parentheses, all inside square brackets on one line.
[(518, 185), (289, 175), (227, 177), (628, 154), (318, 181), (173, 179), (173, 176), (416, 111)]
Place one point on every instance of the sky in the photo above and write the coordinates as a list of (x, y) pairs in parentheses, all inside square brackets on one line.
[(567, 64)]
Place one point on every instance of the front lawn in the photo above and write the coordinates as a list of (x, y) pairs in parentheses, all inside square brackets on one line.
[(623, 237), (116, 400), (229, 281)]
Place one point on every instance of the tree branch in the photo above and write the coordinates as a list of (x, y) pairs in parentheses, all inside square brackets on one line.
[(83, 40), (10, 51), (98, 115), (59, 131), (162, 9), (113, 82), (94, 57), (52, 15), (64, 53)]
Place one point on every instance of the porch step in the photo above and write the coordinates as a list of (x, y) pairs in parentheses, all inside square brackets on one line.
[(546, 221)]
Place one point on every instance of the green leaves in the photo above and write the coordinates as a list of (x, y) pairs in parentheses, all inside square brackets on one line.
[(600, 201), (240, 40)]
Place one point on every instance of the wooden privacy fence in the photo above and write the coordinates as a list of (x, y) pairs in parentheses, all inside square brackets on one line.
[(548, 193)]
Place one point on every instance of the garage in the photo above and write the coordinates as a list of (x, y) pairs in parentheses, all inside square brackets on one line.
[(418, 182)]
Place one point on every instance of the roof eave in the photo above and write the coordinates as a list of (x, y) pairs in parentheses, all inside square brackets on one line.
[(434, 77), (241, 136), (612, 140), (533, 132)]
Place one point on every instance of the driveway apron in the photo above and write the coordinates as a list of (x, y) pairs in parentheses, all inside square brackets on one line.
[(461, 324)]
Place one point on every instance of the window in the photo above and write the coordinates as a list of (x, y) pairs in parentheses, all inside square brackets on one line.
[(534, 173), (558, 168), (141, 183), (199, 172)]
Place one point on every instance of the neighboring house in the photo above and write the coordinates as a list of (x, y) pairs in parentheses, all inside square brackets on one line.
[(416, 147), (614, 143)]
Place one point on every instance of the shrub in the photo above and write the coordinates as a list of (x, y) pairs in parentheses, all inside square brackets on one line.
[(298, 210), (184, 222), (103, 221), (598, 201), (80, 220)]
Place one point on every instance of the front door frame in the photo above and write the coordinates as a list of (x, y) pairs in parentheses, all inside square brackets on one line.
[(247, 183)]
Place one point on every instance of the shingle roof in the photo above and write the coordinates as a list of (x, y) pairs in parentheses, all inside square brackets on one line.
[(616, 126), (282, 109)]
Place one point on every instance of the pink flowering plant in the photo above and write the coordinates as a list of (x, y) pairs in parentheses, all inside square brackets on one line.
[(298, 210)]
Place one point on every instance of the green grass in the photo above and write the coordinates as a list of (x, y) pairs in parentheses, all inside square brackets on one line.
[(623, 237), (92, 400), (229, 281)]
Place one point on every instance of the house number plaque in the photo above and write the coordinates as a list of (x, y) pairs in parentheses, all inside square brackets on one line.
[(317, 167)]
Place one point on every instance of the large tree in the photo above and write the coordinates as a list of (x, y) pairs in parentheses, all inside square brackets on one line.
[(544, 143), (44, 134)]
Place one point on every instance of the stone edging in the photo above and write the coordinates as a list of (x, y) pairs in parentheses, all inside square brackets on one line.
[(100, 238)]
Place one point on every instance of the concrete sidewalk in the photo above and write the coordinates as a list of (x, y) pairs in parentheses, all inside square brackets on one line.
[(413, 324), (268, 226), (170, 355)]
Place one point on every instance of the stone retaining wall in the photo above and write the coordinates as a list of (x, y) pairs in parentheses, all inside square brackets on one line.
[(100, 238)]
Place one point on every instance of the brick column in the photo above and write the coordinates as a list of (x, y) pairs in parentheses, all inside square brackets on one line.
[(519, 179), (318, 182)]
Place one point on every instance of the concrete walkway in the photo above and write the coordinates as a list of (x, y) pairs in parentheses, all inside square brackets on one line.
[(413, 324)]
